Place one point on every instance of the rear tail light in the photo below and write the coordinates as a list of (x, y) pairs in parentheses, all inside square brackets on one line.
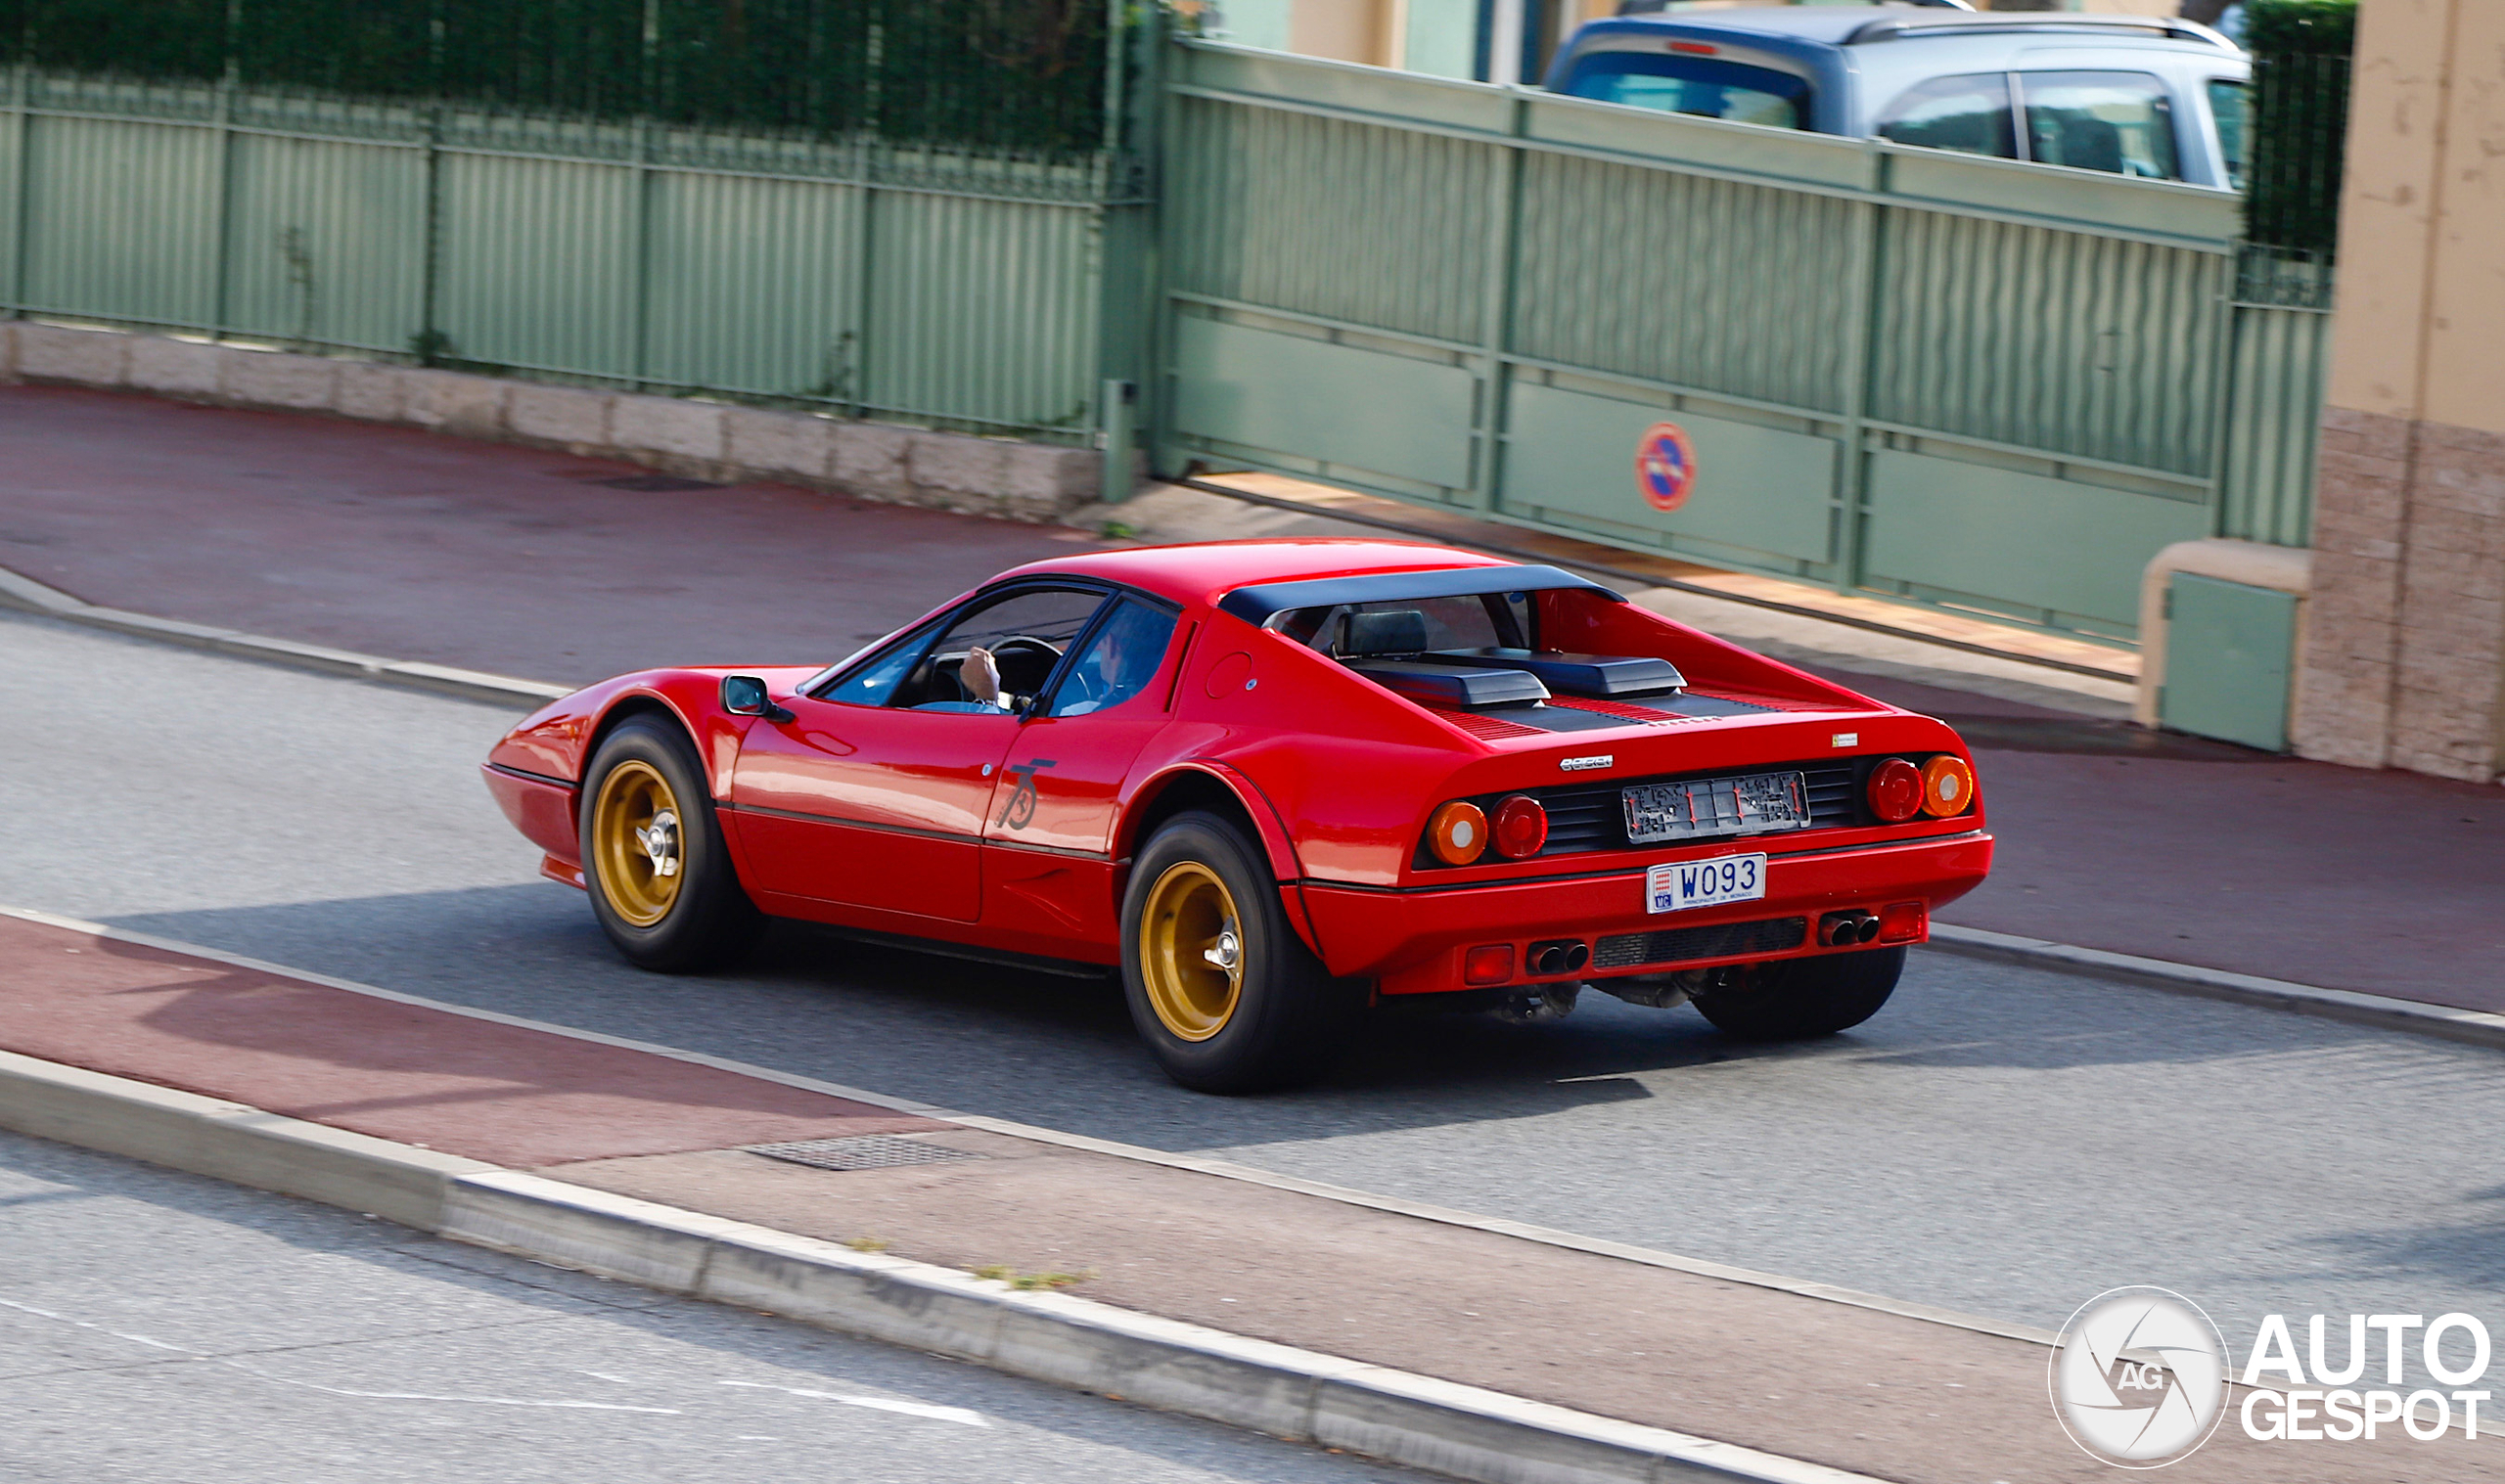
[(1522, 827), (1895, 790), (1947, 787), (1458, 833), (1490, 964), (1904, 922)]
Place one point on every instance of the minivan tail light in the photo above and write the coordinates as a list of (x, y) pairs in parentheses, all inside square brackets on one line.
[(1696, 49)]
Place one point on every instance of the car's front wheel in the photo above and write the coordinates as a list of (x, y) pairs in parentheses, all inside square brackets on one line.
[(661, 879), (1226, 995), (1799, 999)]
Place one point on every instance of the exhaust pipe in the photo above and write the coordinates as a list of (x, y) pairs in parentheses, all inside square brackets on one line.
[(1558, 955), (1847, 929)]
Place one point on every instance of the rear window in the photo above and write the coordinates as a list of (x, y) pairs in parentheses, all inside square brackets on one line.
[(1704, 87), (1446, 624)]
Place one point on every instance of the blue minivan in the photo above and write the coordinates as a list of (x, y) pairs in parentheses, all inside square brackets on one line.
[(2127, 94)]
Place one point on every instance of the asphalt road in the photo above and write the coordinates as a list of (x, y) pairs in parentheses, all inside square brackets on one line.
[(2002, 1141), (156, 1325)]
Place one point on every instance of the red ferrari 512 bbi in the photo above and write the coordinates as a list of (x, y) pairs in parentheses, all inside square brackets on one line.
[(1275, 781)]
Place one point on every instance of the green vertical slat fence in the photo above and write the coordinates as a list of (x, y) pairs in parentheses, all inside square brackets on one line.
[(1931, 376), (956, 288)]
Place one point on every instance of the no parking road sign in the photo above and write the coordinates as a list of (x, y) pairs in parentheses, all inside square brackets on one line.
[(1665, 466)]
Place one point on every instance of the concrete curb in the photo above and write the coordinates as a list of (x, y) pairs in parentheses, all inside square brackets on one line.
[(25, 593), (692, 436), (2471, 1026), (1300, 1395)]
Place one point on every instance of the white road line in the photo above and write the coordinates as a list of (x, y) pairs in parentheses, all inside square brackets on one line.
[(879, 1404), (281, 1380)]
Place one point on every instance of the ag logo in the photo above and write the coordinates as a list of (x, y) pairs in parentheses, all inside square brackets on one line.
[(2139, 1377), (1665, 466)]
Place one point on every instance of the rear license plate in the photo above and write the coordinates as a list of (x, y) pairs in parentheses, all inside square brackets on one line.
[(1705, 883), (1749, 804)]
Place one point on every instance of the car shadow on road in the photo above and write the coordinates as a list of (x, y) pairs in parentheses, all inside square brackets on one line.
[(1060, 1052)]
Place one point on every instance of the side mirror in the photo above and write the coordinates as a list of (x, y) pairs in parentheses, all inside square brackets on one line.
[(744, 695)]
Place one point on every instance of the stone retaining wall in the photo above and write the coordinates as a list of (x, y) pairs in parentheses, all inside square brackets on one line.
[(2405, 645), (718, 442)]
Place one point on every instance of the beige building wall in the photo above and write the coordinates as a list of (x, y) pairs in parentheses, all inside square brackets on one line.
[(2405, 636), (1344, 31)]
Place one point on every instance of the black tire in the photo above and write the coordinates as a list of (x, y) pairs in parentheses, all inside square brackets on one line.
[(708, 921), (1287, 1020), (1803, 999)]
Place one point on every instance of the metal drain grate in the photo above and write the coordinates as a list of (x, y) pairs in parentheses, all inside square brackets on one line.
[(869, 1152)]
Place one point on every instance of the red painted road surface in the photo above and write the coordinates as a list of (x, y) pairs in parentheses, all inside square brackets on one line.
[(500, 1093), (420, 547)]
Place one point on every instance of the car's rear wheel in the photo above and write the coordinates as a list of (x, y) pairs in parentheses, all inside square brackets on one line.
[(1800, 999), (1226, 995), (661, 879)]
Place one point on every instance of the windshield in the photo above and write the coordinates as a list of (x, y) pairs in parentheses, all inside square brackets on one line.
[(1706, 87)]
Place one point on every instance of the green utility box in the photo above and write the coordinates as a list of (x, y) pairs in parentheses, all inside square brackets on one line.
[(2230, 652)]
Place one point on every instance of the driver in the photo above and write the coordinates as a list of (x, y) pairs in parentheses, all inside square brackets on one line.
[(1123, 659), (979, 674), (1117, 665)]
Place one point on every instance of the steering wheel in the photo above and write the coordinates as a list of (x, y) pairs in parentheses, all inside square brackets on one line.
[(1024, 662)]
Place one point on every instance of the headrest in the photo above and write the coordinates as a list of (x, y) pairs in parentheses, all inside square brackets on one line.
[(1396, 631)]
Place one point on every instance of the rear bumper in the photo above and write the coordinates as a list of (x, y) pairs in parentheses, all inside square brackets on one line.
[(1414, 941)]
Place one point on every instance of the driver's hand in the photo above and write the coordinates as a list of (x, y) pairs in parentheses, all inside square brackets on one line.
[(979, 674)]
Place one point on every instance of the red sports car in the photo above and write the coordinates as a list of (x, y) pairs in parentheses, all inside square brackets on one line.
[(1274, 782)]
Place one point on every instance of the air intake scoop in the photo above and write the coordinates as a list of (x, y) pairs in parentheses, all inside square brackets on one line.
[(1601, 676), (1450, 685)]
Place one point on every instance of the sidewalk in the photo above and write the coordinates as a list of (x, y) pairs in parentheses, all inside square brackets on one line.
[(1832, 1383), (550, 567)]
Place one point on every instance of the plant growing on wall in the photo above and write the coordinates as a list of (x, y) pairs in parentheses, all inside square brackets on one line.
[(2299, 121)]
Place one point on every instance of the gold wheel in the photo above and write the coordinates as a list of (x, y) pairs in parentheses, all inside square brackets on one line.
[(1191, 951), (637, 842)]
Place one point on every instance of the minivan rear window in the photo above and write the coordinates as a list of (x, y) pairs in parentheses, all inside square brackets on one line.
[(1706, 87)]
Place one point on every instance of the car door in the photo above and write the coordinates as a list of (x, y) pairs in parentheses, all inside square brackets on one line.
[(874, 793), (1048, 847)]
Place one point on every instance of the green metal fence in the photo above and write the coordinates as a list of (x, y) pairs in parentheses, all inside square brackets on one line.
[(1959, 380), (1026, 76), (953, 286)]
